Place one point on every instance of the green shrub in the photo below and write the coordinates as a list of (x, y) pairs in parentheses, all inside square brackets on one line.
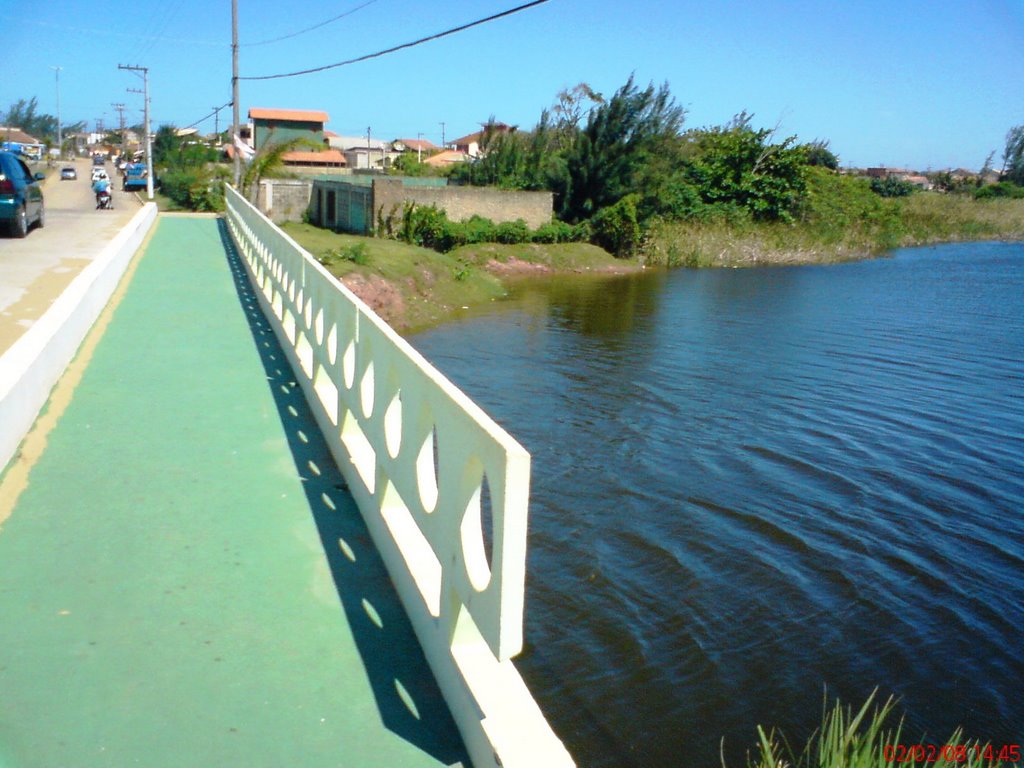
[(891, 187), (357, 253), (512, 232), (555, 232), (194, 188), (476, 229), (427, 226), (840, 209), (582, 232), (616, 229), (1002, 189)]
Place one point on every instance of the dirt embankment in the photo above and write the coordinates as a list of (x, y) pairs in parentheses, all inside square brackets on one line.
[(416, 303), (382, 296), (518, 267)]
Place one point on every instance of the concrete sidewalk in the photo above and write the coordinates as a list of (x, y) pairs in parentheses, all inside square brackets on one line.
[(185, 581)]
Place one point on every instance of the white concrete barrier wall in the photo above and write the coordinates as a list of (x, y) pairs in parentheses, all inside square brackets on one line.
[(430, 472), (32, 365)]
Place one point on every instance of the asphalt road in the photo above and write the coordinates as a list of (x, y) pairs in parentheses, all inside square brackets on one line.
[(34, 271)]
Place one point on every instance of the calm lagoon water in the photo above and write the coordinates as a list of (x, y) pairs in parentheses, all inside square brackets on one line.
[(750, 486)]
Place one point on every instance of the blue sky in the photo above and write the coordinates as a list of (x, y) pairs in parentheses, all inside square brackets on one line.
[(897, 82)]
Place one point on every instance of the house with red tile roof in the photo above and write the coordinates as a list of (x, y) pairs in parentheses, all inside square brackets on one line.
[(16, 135), (472, 143), (414, 145), (446, 158), (280, 125)]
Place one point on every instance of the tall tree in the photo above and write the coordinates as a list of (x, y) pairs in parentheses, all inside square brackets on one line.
[(166, 145), (572, 106), (514, 160), (620, 136), (1013, 155), (23, 114)]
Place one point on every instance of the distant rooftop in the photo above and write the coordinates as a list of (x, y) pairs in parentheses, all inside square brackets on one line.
[(297, 115), (10, 133)]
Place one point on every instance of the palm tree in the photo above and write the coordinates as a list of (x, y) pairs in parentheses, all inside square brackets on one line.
[(268, 162)]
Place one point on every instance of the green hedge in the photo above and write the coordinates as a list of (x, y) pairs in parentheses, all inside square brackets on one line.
[(430, 227)]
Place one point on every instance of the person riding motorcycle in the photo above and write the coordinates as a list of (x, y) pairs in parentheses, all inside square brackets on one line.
[(101, 186)]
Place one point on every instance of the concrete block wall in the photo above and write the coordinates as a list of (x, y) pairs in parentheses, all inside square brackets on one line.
[(461, 203), (284, 199)]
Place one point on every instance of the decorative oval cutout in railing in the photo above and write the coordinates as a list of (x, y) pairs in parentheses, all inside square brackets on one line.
[(471, 532), (393, 425), (426, 471)]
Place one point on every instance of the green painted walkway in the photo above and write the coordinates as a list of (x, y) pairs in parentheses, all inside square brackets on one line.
[(185, 582)]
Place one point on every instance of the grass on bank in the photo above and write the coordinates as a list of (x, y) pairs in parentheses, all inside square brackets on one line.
[(868, 739), (842, 220), (419, 287)]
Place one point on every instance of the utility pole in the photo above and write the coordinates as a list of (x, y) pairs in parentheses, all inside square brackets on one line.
[(145, 123), (367, 147), (419, 147), (216, 121), (236, 138), (120, 113), (442, 136), (60, 140)]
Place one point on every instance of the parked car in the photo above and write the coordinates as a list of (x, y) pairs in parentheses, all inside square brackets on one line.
[(21, 198), (68, 173)]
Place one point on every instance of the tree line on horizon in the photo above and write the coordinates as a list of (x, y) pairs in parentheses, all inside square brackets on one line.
[(625, 162)]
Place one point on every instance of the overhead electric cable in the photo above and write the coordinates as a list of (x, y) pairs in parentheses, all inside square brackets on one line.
[(207, 117), (310, 29), (171, 10), (368, 56)]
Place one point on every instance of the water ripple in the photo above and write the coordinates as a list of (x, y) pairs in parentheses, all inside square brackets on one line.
[(751, 484)]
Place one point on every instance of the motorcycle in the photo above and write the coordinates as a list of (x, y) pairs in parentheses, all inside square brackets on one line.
[(104, 200)]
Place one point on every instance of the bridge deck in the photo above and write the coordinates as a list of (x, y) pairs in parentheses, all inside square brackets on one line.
[(184, 581)]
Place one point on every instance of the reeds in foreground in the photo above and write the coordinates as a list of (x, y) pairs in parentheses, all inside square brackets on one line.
[(865, 740)]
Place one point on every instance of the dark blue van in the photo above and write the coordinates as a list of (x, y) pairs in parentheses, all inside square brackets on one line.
[(21, 199)]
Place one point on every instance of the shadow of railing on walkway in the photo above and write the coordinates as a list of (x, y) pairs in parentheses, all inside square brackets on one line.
[(407, 696)]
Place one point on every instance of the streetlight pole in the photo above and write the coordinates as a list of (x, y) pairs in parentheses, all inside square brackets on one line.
[(145, 121), (60, 138), (236, 138)]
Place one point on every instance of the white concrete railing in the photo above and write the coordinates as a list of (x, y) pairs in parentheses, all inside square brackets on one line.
[(32, 365), (424, 464)]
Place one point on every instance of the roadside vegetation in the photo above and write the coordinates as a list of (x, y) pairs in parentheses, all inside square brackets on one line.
[(188, 173), (868, 738)]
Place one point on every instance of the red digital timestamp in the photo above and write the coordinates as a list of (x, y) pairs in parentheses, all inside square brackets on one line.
[(951, 753)]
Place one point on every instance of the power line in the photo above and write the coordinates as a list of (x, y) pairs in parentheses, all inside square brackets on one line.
[(207, 117), (135, 36), (171, 11), (310, 29), (422, 40)]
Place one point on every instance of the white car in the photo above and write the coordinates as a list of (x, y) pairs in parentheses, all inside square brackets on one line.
[(99, 173)]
